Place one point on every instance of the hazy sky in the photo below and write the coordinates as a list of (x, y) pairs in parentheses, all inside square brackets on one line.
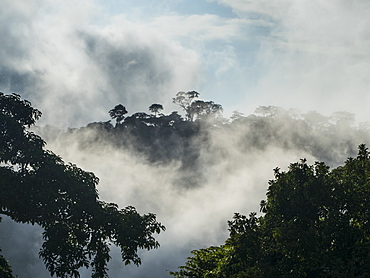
[(75, 60)]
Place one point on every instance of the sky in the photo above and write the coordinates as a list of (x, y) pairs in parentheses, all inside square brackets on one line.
[(75, 60)]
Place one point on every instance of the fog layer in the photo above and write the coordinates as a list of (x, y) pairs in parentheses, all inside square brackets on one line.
[(229, 172)]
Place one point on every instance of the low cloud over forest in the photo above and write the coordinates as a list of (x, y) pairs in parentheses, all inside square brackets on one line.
[(194, 174), (291, 77)]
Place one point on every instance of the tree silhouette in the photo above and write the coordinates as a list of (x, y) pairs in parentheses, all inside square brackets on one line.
[(184, 100), (5, 268), (137, 119), (315, 224), (155, 108), (204, 109), (38, 187), (118, 113)]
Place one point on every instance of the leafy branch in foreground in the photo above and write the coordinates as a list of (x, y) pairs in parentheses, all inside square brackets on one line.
[(315, 224), (37, 187)]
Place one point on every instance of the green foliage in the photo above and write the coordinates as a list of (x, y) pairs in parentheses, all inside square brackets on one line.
[(209, 262), (316, 224), (5, 268), (38, 187)]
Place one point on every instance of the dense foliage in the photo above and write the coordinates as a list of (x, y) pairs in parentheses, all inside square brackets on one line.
[(315, 223), (38, 187), (165, 138), (187, 138)]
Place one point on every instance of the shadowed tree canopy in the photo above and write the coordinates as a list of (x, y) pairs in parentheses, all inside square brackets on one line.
[(315, 224), (171, 138), (38, 187), (155, 108), (205, 109), (118, 113), (184, 100), (195, 108)]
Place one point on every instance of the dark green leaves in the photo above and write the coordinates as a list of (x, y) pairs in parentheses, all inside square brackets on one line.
[(38, 187), (315, 224), (5, 269)]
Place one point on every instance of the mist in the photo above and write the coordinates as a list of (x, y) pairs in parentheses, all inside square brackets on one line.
[(230, 174), (65, 64), (76, 62)]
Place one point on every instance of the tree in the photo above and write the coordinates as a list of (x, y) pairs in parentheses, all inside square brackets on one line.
[(137, 119), (118, 113), (172, 119), (5, 268), (236, 258), (37, 186), (155, 108), (204, 109), (184, 100), (208, 262), (315, 224), (196, 109)]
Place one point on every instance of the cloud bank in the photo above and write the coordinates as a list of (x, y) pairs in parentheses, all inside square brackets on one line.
[(56, 57), (314, 56), (67, 58), (233, 180)]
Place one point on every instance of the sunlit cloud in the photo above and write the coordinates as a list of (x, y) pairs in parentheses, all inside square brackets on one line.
[(315, 56), (66, 65)]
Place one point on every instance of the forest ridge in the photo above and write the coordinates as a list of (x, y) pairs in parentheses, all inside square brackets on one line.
[(313, 223)]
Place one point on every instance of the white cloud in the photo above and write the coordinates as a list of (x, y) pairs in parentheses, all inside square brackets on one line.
[(315, 55), (291, 53), (56, 57), (233, 180)]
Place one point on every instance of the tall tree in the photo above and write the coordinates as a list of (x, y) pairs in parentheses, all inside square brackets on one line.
[(37, 186), (118, 113), (184, 100)]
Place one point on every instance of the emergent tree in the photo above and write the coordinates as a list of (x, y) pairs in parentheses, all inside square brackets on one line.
[(155, 108), (118, 113), (184, 100)]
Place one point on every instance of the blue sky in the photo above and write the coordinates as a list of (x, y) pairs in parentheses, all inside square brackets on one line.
[(158, 8), (77, 59), (228, 58)]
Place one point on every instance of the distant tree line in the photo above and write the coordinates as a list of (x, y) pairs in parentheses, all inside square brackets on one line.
[(194, 109), (314, 223), (164, 138)]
